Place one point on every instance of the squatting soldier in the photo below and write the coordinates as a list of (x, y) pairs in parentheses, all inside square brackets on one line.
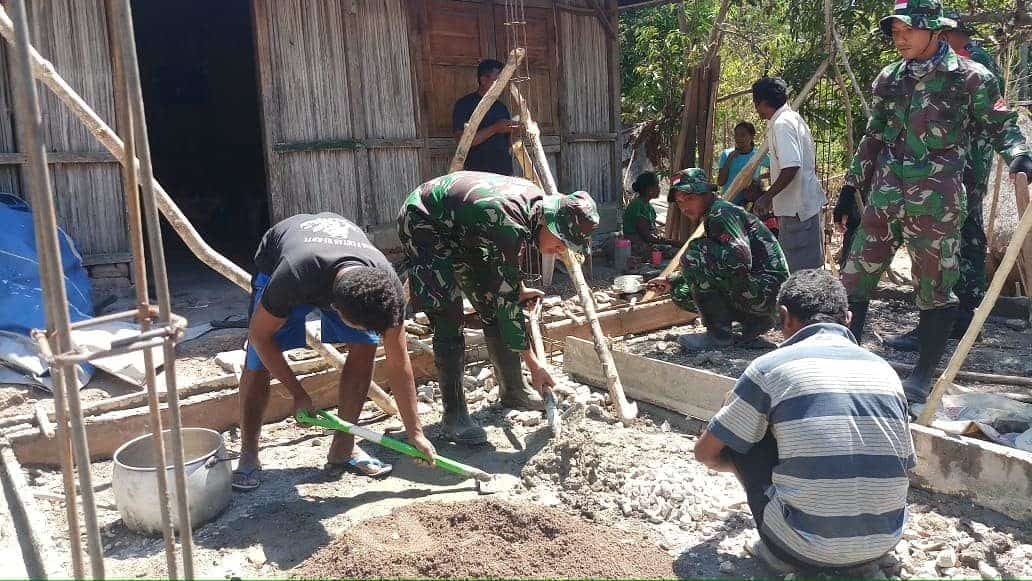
[(970, 287), (732, 273), (464, 233), (913, 154)]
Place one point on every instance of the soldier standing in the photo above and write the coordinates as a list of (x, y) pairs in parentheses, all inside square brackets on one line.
[(463, 233), (971, 285), (732, 273), (914, 153)]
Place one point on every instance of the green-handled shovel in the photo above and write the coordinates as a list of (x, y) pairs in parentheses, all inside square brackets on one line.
[(330, 421)]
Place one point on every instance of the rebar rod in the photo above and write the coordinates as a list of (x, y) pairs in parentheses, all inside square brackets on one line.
[(29, 125), (124, 36)]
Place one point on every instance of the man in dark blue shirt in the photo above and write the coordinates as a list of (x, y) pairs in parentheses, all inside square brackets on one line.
[(490, 149)]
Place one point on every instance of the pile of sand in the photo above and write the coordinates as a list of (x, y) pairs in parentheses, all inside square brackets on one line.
[(485, 539)]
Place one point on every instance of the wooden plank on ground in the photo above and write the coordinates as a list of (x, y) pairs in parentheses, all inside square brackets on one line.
[(214, 410), (990, 475), (689, 391), (623, 321)]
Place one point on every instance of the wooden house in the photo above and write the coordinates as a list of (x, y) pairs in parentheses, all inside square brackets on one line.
[(259, 109)]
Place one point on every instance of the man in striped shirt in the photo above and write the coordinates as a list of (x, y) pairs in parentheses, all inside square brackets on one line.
[(817, 434)]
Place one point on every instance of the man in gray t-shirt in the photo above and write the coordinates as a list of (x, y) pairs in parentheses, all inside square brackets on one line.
[(325, 262)]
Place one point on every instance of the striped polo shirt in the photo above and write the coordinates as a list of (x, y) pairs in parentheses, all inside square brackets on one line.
[(839, 416)]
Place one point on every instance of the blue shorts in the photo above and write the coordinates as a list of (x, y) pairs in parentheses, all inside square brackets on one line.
[(292, 334)]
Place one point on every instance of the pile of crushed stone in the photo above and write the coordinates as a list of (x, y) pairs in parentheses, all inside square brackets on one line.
[(485, 539)]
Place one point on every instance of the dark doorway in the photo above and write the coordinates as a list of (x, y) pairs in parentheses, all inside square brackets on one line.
[(200, 88)]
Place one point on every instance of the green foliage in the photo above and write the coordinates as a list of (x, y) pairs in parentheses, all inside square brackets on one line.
[(763, 37)]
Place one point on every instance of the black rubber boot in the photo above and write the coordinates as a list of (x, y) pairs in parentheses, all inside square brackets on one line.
[(905, 342), (856, 325), (456, 425), (960, 326), (717, 317), (753, 327), (513, 390), (933, 332)]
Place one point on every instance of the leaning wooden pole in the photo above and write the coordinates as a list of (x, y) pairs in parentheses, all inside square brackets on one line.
[(625, 410), (44, 71), (984, 308), (489, 98), (743, 177)]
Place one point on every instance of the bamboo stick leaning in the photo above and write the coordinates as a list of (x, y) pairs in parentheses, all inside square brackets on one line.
[(743, 177), (482, 108), (984, 308), (626, 411)]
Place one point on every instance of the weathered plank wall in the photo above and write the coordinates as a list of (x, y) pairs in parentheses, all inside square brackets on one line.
[(72, 34), (338, 107), (589, 154)]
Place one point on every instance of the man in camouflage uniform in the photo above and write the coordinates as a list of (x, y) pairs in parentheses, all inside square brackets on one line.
[(732, 273), (970, 287), (463, 233), (913, 154)]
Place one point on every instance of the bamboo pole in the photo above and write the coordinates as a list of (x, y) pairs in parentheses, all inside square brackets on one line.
[(626, 411), (376, 393), (470, 131), (44, 71), (124, 37), (134, 218), (983, 310), (741, 179), (849, 70)]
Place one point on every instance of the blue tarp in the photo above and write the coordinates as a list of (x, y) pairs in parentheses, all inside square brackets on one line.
[(21, 293)]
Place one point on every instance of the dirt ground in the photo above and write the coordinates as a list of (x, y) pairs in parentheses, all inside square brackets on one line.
[(485, 539), (639, 482)]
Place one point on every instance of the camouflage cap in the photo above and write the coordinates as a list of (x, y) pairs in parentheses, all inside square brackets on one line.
[(959, 23), (572, 218), (691, 181), (921, 14)]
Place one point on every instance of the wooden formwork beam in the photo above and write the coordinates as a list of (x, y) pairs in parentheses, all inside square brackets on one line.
[(216, 410)]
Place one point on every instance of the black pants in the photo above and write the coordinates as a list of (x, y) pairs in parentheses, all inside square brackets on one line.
[(755, 469)]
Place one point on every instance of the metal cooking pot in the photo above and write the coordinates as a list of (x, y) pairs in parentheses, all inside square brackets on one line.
[(135, 480)]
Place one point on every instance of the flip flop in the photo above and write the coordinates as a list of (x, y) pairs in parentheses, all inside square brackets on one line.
[(245, 480), (368, 466)]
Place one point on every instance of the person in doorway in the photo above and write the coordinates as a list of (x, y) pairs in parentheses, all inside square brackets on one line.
[(464, 233), (817, 433), (971, 285), (796, 196), (639, 219), (733, 159), (323, 261), (924, 111), (490, 151), (732, 273)]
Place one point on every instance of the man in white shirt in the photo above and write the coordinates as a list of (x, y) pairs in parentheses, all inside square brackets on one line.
[(796, 195)]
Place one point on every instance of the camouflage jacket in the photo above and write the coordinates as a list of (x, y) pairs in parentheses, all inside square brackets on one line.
[(486, 220), (923, 126), (748, 248), (982, 57)]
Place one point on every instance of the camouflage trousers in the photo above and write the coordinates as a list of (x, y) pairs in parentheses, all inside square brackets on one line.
[(754, 295), (972, 282), (926, 214), (440, 272)]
